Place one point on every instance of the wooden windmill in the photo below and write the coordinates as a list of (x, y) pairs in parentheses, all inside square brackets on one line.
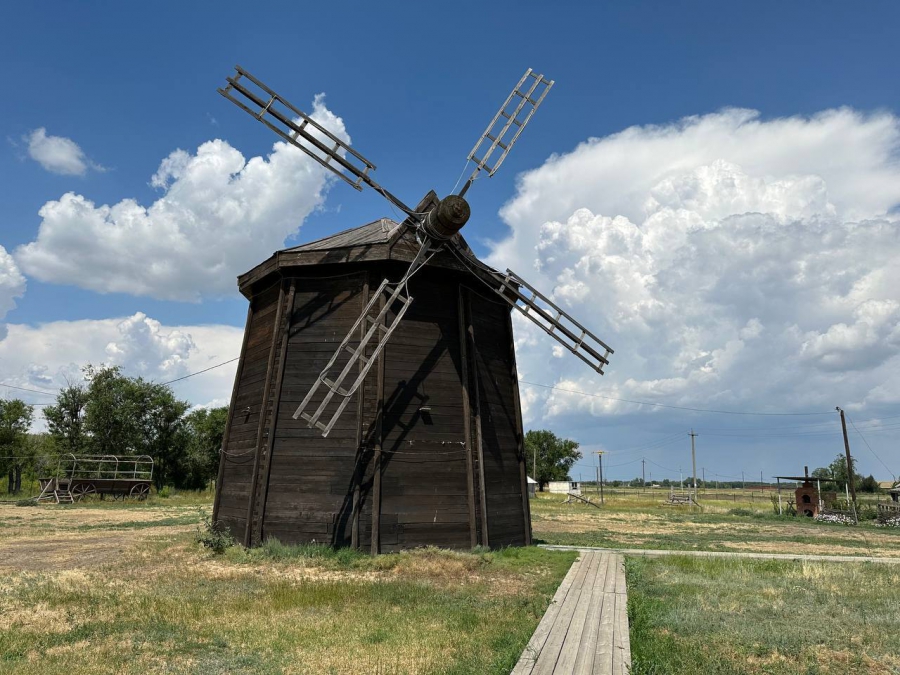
[(359, 418)]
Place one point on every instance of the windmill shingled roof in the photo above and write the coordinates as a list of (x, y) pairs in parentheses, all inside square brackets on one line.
[(377, 232)]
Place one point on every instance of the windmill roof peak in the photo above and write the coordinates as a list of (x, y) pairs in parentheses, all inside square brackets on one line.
[(380, 240), (381, 231)]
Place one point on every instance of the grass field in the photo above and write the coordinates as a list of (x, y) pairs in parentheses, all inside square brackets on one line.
[(124, 588), (727, 616), (640, 521)]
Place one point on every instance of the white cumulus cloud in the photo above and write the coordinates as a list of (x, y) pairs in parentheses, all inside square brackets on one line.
[(219, 214), (49, 355), (12, 286), (732, 262), (58, 154)]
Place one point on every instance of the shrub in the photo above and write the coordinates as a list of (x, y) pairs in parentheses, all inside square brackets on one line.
[(165, 492), (213, 535)]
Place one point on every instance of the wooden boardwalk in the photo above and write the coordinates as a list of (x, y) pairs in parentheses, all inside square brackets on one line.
[(585, 628)]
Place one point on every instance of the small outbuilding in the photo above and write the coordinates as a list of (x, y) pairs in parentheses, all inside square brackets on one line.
[(808, 499), (532, 486), (566, 487)]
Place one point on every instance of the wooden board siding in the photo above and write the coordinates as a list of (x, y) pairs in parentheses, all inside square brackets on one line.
[(500, 424), (239, 453), (431, 484), (424, 484), (311, 478)]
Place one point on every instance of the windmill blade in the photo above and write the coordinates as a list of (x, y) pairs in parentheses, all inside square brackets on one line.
[(542, 311), (311, 137), (512, 117), (379, 325)]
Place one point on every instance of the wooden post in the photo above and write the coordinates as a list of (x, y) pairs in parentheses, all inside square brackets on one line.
[(850, 479), (360, 452), (520, 432), (234, 392), (261, 426), (376, 478), (265, 462), (467, 418), (479, 443)]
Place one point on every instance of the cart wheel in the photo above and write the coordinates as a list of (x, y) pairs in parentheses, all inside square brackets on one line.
[(140, 492), (83, 490)]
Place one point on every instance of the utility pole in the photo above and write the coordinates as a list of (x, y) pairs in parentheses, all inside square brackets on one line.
[(761, 481), (694, 461), (681, 478), (743, 484), (599, 454), (643, 474), (849, 459)]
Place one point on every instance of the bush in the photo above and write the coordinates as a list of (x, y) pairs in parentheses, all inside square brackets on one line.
[(213, 535), (165, 492)]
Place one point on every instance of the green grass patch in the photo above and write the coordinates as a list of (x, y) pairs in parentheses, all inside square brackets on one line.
[(719, 616)]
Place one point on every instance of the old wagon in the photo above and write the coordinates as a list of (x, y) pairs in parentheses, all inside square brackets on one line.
[(78, 477)]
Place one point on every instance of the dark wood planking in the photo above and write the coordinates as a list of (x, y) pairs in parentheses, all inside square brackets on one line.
[(230, 418), (322, 308), (252, 505), (422, 488), (495, 370), (238, 454)]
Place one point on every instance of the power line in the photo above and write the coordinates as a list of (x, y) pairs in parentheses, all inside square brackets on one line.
[(673, 407), (893, 475), (199, 372), (35, 391)]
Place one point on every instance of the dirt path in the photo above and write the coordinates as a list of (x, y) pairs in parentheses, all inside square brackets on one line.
[(728, 554), (59, 553)]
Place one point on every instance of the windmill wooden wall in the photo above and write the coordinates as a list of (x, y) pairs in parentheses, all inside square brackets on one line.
[(391, 474)]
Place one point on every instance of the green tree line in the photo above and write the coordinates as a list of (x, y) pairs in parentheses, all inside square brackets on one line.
[(110, 413)]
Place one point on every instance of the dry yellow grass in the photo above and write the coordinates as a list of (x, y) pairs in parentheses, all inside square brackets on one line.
[(125, 589)]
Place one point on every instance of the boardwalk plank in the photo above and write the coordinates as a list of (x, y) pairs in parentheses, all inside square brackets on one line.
[(621, 643), (585, 629), (569, 653), (603, 664), (584, 662), (546, 662), (529, 657)]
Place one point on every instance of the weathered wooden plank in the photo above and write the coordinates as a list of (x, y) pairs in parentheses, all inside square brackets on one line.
[(621, 657), (546, 662), (251, 504), (536, 644), (569, 652), (230, 418), (603, 649), (584, 659)]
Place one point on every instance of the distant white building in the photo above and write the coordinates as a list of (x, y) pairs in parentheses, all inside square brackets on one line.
[(565, 487), (532, 486)]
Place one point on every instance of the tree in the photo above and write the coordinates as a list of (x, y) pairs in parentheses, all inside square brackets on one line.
[(836, 473), (15, 420), (205, 429), (161, 429), (65, 420), (111, 412), (131, 416), (555, 456)]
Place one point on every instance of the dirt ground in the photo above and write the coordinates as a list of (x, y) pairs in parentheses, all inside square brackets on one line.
[(52, 538)]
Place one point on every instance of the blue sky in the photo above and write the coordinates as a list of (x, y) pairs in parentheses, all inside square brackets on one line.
[(414, 85)]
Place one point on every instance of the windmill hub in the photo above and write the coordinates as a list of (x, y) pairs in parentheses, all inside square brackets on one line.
[(447, 218)]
